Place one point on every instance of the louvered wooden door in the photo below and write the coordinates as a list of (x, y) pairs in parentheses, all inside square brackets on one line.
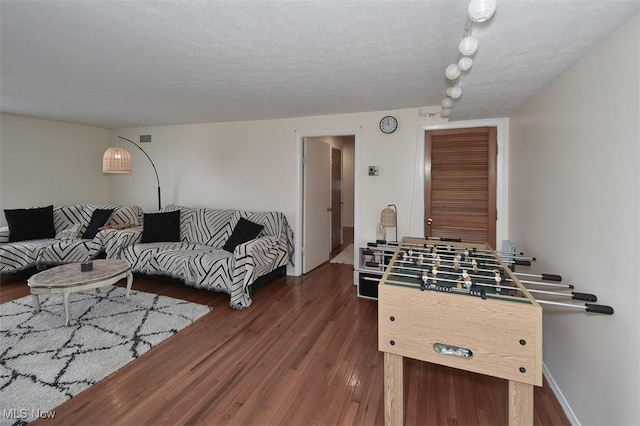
[(460, 184)]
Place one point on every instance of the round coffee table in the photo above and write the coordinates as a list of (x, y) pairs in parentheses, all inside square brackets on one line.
[(68, 278)]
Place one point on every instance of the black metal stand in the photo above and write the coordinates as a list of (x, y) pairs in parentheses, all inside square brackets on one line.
[(154, 168)]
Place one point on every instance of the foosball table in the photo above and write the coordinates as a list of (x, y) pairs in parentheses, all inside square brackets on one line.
[(458, 305)]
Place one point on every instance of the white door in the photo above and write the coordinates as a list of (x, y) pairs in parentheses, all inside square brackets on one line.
[(316, 232)]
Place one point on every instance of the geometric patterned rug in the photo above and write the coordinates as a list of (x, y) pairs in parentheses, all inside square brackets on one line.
[(43, 363)]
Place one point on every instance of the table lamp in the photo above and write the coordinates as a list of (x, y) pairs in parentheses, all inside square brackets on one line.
[(389, 218)]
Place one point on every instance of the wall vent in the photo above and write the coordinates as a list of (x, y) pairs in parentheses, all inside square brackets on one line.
[(145, 138)]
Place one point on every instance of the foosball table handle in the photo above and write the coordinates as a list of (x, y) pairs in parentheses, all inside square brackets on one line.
[(587, 297), (522, 262), (551, 277), (599, 309)]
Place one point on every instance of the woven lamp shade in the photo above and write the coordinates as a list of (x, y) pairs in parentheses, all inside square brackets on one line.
[(388, 217), (116, 160)]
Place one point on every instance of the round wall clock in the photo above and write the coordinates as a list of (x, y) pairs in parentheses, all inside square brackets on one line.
[(388, 124)]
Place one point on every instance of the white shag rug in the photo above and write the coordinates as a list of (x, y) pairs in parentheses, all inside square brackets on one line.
[(43, 363), (345, 256)]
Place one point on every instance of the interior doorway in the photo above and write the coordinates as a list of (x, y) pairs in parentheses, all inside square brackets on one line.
[(497, 181), (460, 184), (327, 182)]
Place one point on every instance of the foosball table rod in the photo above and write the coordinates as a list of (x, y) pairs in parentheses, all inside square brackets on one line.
[(449, 258), (565, 286), (548, 277), (589, 307), (587, 297)]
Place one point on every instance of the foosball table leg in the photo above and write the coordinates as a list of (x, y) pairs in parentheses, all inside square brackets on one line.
[(393, 390), (520, 404)]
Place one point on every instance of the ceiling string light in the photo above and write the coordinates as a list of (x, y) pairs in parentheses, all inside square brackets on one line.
[(477, 11)]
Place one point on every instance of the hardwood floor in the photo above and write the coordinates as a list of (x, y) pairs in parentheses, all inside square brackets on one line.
[(304, 353)]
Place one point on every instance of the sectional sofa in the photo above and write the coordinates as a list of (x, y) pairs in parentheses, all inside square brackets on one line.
[(54, 235), (228, 251)]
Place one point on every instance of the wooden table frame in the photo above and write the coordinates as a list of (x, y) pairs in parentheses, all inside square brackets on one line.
[(506, 338)]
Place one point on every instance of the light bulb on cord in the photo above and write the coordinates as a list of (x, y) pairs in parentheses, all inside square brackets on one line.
[(464, 64), (481, 10), (454, 92), (452, 72), (468, 46)]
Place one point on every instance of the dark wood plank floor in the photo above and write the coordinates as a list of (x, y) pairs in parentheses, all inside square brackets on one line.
[(304, 353)]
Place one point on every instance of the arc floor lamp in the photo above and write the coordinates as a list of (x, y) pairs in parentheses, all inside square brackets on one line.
[(118, 160)]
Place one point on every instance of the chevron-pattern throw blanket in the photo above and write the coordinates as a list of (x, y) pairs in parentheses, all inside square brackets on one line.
[(70, 222), (199, 259)]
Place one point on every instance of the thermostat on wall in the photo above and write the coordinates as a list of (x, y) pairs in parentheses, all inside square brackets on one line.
[(373, 171)]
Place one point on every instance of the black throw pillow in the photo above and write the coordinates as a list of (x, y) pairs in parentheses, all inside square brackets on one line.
[(244, 231), (98, 219), (30, 224), (161, 227)]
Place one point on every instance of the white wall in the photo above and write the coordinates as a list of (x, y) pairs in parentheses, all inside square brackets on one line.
[(252, 165), (574, 203), (46, 162)]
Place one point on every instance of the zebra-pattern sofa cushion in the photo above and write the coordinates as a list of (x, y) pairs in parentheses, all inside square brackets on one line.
[(199, 259), (22, 255)]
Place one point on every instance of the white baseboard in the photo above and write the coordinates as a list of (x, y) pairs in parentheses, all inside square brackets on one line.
[(571, 416)]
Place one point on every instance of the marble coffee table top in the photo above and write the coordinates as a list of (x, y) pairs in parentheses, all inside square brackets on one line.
[(69, 275)]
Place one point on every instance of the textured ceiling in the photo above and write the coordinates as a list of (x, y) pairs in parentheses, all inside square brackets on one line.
[(111, 63)]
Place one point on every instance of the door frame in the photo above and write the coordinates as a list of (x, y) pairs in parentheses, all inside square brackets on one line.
[(501, 170), (297, 238)]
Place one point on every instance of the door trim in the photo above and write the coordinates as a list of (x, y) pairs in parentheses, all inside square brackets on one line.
[(501, 168), (297, 228)]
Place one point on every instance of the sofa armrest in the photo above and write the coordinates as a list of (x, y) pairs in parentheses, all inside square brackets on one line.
[(258, 247), (115, 240), (4, 234), (250, 261)]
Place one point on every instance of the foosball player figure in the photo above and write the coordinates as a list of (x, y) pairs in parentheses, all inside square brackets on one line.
[(474, 265), (498, 279), (434, 274), (425, 281), (456, 264), (404, 256), (438, 260), (464, 274), (467, 283), (458, 257), (420, 259)]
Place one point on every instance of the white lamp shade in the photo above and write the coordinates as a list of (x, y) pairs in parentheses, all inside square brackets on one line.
[(465, 63), (452, 72), (447, 102), (454, 92), (481, 10), (468, 46), (446, 112), (116, 160)]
